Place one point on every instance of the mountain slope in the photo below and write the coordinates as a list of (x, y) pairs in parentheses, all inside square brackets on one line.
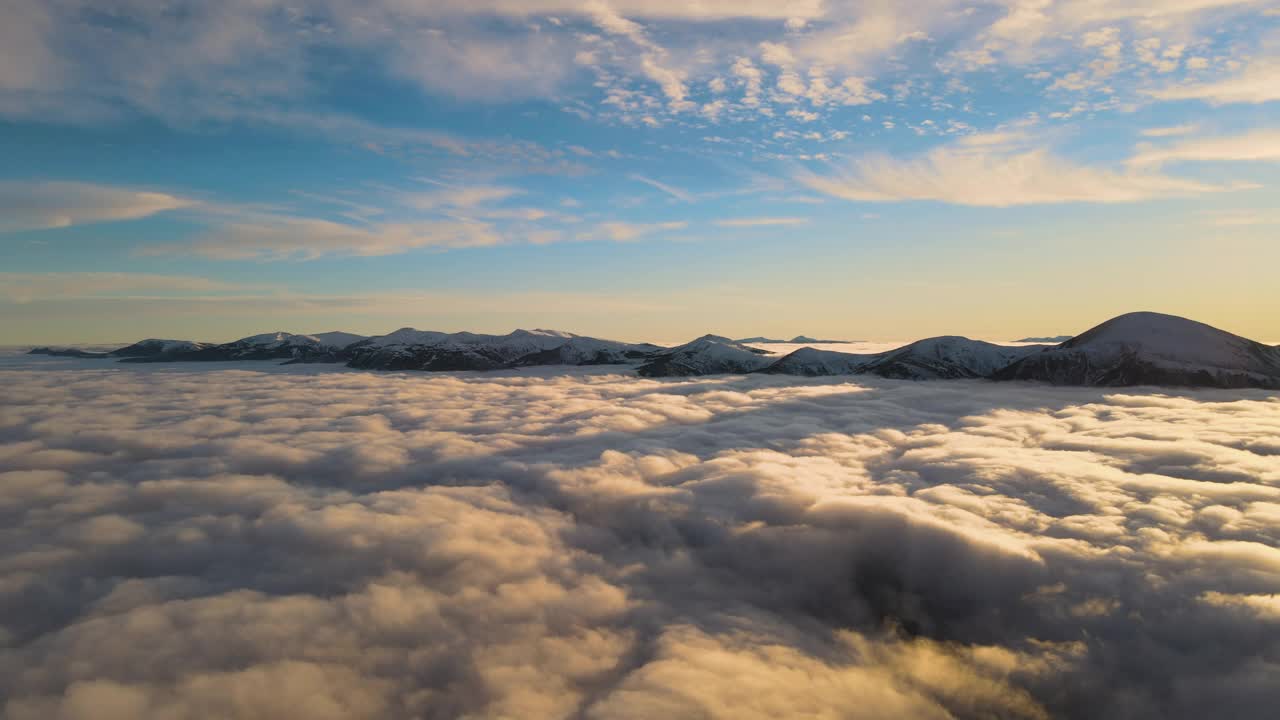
[(67, 352), (154, 347), (1152, 349), (945, 358), (809, 362), (409, 349), (932, 359), (324, 347), (1135, 349), (708, 355)]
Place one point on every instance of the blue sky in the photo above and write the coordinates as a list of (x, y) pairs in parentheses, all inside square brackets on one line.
[(642, 169)]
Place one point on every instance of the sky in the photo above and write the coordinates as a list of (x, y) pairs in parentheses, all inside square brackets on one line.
[(636, 169)]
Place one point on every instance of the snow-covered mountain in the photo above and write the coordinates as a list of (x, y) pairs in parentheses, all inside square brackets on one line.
[(945, 358), (151, 348), (708, 355), (154, 347), (810, 362), (1148, 348), (410, 349), (321, 347), (1134, 349), (332, 340), (932, 359)]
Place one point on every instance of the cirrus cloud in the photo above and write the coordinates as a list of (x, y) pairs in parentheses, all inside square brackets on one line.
[(984, 177), (1258, 83), (42, 205), (1259, 145)]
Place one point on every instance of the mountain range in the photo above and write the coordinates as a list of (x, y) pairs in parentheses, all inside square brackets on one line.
[(1050, 340), (797, 340), (1135, 349)]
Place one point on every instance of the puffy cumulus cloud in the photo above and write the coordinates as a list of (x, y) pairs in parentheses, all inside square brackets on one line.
[(1024, 28), (258, 541)]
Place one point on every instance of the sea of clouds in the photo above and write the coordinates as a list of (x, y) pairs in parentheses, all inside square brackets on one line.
[(250, 541)]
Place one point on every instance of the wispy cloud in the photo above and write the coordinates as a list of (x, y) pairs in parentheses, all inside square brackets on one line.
[(30, 287), (1258, 83), (44, 205), (392, 221), (271, 238), (1170, 131), (761, 222), (994, 176), (450, 196), (671, 190), (627, 231), (1259, 145)]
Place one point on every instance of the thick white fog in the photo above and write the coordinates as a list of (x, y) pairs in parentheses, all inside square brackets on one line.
[(251, 541)]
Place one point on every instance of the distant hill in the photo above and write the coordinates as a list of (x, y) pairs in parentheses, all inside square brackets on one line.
[(797, 340), (1055, 340)]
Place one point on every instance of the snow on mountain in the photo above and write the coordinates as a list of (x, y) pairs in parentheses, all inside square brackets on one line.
[(946, 357), (329, 340), (337, 339), (1151, 348), (1138, 348), (323, 347), (589, 351), (931, 359), (815, 363), (409, 349), (152, 347), (404, 336), (708, 355), (268, 339)]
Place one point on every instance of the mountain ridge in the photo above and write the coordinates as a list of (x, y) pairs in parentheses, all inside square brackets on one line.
[(1131, 349)]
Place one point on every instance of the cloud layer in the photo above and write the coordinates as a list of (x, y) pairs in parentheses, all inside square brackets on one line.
[(651, 62), (254, 543)]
